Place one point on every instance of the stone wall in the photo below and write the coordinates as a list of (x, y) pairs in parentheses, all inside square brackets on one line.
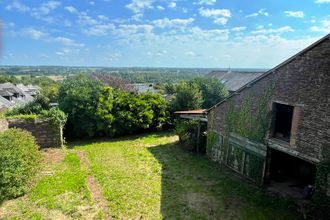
[(303, 82), (3, 124), (46, 134)]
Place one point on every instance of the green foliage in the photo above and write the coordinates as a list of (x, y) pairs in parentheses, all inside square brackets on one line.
[(159, 107), (248, 122), (6, 78), (197, 93), (88, 104), (56, 116), (321, 203), (97, 110), (212, 139), (131, 113), (188, 96), (36, 106), (213, 91), (187, 132), (19, 161)]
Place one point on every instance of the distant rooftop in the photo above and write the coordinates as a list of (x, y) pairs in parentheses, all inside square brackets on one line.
[(233, 79)]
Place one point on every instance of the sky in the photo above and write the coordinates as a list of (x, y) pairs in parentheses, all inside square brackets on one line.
[(159, 33)]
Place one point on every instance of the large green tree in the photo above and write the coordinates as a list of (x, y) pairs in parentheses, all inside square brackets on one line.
[(188, 96), (213, 91), (88, 104)]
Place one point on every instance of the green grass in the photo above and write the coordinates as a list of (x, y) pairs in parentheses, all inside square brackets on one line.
[(151, 177), (60, 196)]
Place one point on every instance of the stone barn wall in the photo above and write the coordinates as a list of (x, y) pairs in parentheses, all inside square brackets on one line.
[(46, 134)]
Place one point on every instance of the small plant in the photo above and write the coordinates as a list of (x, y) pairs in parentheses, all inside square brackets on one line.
[(19, 161), (56, 116)]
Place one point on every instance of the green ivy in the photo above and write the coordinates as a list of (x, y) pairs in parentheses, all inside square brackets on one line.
[(321, 202), (247, 122)]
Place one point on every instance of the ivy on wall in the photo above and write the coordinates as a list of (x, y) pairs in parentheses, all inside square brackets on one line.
[(321, 204), (249, 122)]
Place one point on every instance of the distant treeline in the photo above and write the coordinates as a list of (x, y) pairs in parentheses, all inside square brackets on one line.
[(133, 75)]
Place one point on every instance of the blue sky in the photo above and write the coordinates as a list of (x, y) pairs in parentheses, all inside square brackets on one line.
[(160, 33)]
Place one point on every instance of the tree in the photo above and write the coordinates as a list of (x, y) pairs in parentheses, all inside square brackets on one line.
[(212, 89), (188, 96), (88, 104), (159, 107)]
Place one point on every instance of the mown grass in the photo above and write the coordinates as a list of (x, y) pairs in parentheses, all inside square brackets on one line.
[(151, 177), (62, 195)]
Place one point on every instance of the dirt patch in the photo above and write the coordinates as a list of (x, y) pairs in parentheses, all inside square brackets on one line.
[(52, 155), (94, 187), (202, 203)]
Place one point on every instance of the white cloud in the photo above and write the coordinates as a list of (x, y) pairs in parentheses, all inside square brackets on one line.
[(238, 29), (322, 1), (137, 17), (281, 30), (127, 30), (262, 12), (42, 12), (138, 6), (220, 16), (296, 14), (99, 30), (66, 42), (221, 21), (103, 17), (47, 7), (34, 33), (172, 5), (16, 5), (85, 19), (214, 13), (44, 36), (323, 28), (206, 2), (161, 8), (71, 9), (165, 22)]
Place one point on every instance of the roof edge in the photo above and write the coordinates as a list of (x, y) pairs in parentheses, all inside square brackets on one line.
[(308, 48)]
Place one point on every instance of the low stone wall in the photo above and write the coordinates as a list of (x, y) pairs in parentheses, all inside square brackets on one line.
[(3, 124), (46, 134)]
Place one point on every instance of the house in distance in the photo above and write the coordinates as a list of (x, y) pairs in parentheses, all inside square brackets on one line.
[(275, 130)]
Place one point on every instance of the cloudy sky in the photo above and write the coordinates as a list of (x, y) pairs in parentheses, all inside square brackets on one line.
[(162, 33)]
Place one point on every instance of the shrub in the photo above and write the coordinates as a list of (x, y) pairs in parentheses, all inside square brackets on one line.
[(19, 161), (88, 105)]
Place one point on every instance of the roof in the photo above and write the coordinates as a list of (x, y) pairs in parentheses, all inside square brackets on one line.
[(192, 112), (233, 80), (4, 102), (247, 85), (5, 93), (10, 88)]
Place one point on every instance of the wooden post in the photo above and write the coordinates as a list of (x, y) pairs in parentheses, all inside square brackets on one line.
[(198, 136)]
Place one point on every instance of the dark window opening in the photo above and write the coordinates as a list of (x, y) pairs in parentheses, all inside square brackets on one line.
[(291, 176), (283, 121)]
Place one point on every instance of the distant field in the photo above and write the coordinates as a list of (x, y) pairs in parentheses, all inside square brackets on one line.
[(140, 177)]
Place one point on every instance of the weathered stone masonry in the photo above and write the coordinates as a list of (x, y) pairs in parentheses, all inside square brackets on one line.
[(303, 81), (46, 134)]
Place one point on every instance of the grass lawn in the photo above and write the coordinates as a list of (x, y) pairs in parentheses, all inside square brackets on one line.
[(151, 177), (140, 177)]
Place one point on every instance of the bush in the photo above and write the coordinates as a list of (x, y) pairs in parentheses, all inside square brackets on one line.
[(19, 161), (88, 105)]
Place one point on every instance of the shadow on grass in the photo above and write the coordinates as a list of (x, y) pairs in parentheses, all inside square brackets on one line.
[(194, 187)]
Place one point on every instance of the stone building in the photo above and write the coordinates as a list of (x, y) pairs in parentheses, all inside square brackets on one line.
[(275, 130)]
